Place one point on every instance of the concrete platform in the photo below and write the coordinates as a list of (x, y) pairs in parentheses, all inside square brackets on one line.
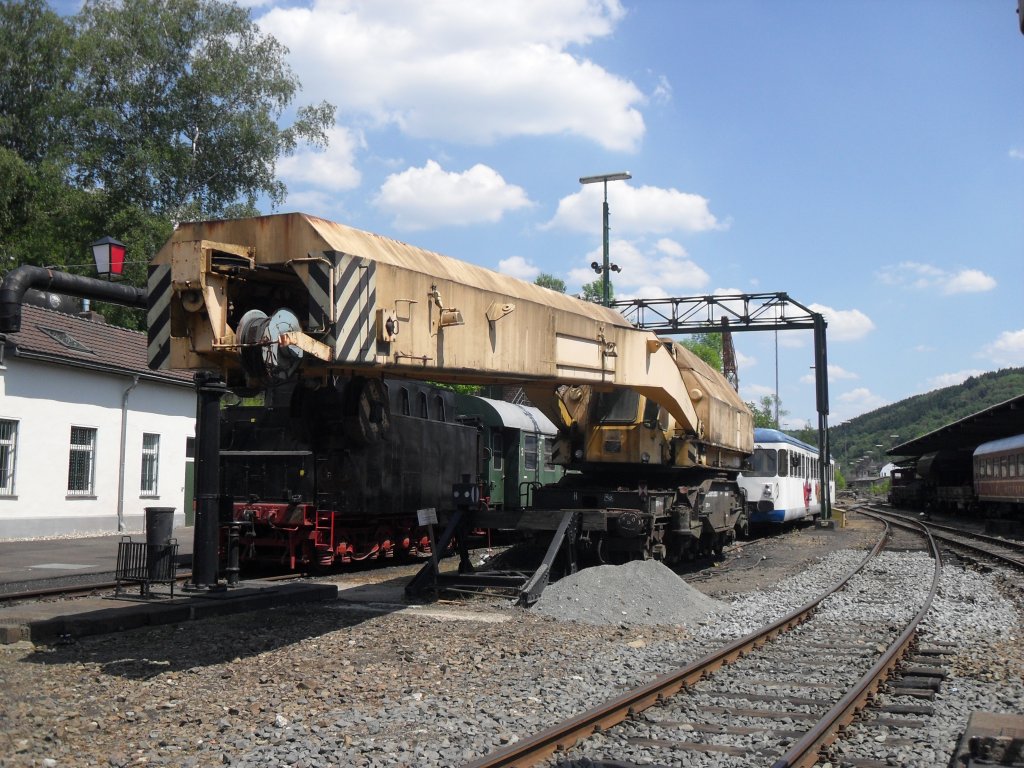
[(69, 560), (53, 621)]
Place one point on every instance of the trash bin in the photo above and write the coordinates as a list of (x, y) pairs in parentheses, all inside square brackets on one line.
[(159, 551)]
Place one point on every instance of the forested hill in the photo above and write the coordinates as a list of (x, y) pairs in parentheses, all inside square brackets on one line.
[(918, 415)]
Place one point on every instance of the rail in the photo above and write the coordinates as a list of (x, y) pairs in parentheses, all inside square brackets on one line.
[(530, 750), (806, 751), (1003, 551)]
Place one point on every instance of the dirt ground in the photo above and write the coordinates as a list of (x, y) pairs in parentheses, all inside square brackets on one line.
[(773, 557)]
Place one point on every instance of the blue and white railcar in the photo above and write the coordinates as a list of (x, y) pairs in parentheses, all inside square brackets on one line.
[(783, 483)]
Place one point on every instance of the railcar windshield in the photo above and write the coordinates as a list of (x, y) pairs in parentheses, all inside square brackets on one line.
[(764, 463), (619, 407)]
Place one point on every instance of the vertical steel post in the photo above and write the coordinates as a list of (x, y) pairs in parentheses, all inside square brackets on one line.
[(604, 273), (210, 388), (821, 393)]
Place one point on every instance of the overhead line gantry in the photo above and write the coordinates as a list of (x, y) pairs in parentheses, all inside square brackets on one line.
[(744, 312)]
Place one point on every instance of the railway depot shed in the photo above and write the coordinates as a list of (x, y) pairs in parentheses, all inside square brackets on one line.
[(89, 435), (993, 423)]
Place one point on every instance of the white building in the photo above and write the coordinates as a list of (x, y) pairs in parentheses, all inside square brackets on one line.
[(89, 436)]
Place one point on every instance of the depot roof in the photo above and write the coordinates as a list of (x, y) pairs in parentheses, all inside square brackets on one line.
[(996, 422)]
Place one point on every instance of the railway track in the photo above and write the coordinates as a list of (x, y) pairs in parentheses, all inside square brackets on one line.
[(764, 699), (1002, 551)]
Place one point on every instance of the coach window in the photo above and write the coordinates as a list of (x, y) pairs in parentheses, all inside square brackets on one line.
[(1002, 467), (404, 400), (549, 450), (438, 408), (497, 449), (530, 452), (423, 405), (1020, 464), (783, 462)]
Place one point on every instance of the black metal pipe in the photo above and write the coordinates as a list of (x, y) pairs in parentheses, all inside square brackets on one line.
[(210, 388), (20, 279), (233, 568)]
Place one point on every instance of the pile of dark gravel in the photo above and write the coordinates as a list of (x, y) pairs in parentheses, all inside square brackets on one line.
[(639, 592)]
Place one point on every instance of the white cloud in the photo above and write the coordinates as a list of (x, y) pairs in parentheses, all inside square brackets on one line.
[(1007, 350), (951, 379), (427, 197), (1017, 153), (648, 271), (517, 266), (797, 339), (634, 210), (745, 362), (835, 373), (844, 324), (858, 401), (662, 93), (969, 281), (462, 70), (754, 392), (925, 277), (331, 169)]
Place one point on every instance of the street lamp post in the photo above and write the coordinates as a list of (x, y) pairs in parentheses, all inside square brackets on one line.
[(605, 178)]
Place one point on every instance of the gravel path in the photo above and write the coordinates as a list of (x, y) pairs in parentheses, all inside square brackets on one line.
[(434, 686)]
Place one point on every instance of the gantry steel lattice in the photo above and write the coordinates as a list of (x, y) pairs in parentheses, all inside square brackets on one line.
[(744, 312)]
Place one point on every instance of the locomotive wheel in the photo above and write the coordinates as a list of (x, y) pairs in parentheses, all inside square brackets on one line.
[(369, 415)]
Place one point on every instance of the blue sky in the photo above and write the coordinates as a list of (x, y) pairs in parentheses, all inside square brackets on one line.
[(865, 157)]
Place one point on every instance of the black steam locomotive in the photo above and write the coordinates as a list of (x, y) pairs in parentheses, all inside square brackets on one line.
[(336, 474)]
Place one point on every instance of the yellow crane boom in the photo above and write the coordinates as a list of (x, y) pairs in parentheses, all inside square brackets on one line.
[(368, 304)]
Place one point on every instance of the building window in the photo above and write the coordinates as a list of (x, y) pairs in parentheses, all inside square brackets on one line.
[(8, 454), (81, 465), (150, 463)]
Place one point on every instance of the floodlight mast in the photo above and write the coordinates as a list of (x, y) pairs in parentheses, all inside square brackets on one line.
[(605, 178)]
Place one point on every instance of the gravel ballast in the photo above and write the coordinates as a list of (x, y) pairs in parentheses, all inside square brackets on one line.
[(324, 686), (640, 592)]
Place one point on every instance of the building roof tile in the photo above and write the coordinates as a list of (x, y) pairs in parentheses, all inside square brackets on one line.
[(77, 341)]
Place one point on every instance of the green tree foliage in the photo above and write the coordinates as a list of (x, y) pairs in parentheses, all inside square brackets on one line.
[(38, 210), (131, 116), (35, 80), (462, 389), (806, 433), (594, 291), (179, 102), (706, 346), (550, 281), (764, 412)]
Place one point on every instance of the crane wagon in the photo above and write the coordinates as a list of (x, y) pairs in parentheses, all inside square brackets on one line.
[(650, 436)]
